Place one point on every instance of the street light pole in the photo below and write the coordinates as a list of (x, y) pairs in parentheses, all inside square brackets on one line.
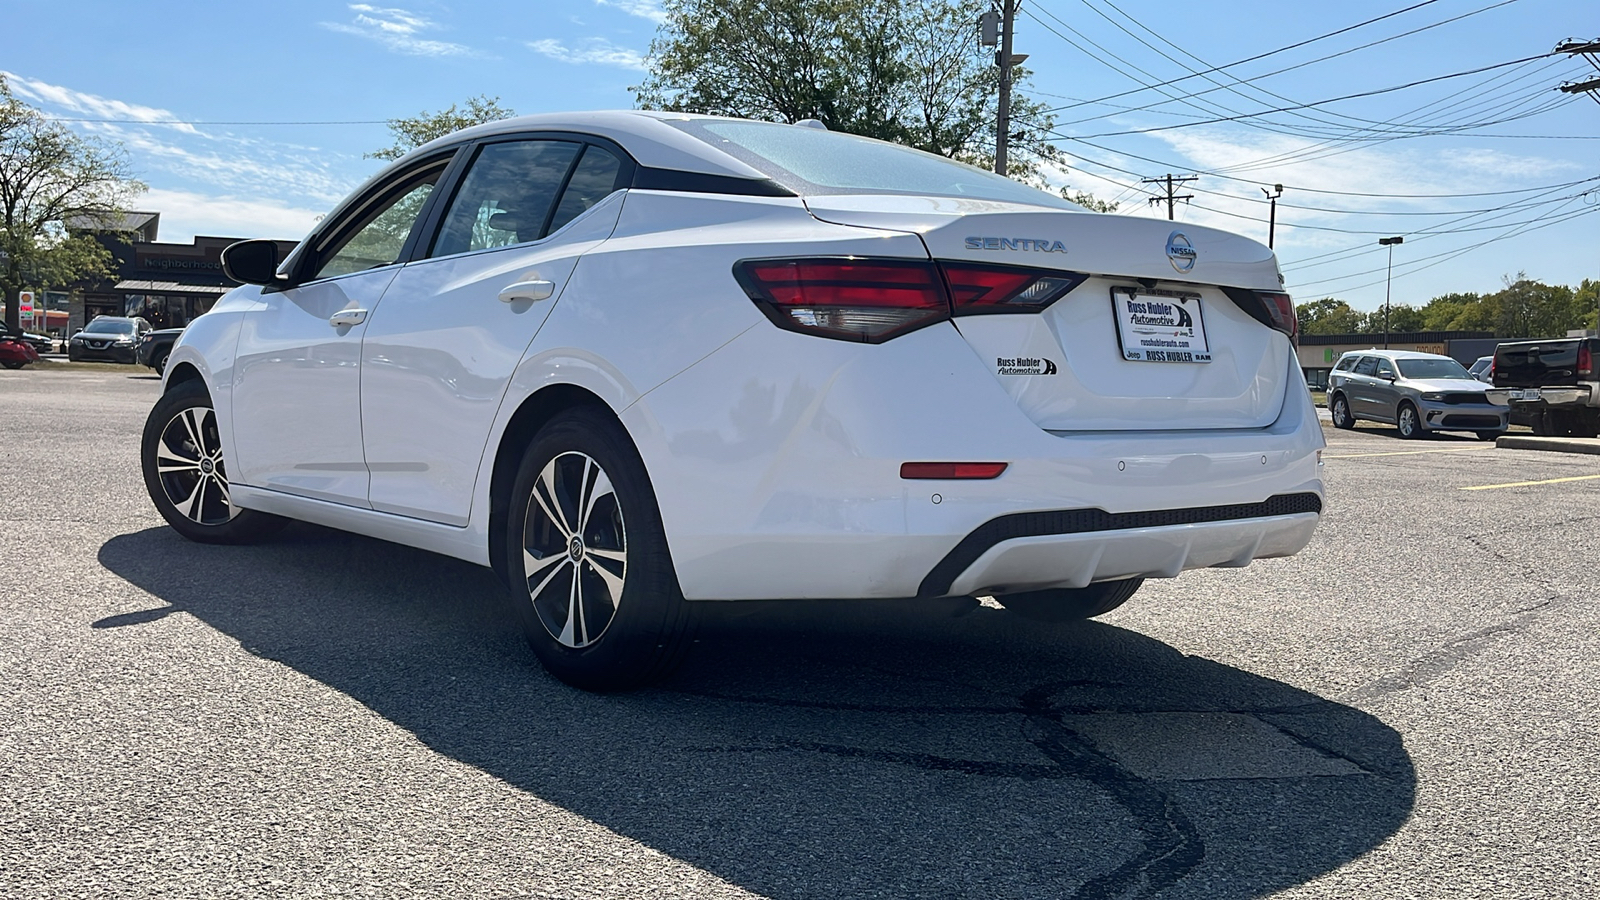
[(1272, 217), (1387, 281)]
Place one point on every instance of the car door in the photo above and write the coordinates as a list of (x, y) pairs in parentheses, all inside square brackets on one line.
[(297, 382), (1359, 386), (1385, 396), (440, 351)]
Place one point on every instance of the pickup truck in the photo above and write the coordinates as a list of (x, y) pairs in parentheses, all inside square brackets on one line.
[(1553, 385)]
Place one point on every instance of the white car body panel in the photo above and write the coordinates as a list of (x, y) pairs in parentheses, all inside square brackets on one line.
[(438, 355), (774, 455), (300, 377)]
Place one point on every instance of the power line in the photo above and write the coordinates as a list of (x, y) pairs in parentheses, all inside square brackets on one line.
[(178, 122)]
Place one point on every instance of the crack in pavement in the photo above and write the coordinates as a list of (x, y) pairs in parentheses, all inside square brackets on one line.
[(1450, 655)]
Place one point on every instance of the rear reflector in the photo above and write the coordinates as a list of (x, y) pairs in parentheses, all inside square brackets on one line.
[(850, 299), (973, 470), (976, 289)]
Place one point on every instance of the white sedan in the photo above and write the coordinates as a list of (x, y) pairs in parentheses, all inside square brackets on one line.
[(636, 361)]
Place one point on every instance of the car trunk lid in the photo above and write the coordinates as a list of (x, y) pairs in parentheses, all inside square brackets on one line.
[(1155, 290)]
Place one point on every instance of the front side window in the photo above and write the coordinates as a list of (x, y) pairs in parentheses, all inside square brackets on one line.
[(506, 197), (378, 236), (1385, 369)]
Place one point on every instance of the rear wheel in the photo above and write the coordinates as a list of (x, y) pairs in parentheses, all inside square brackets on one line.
[(1407, 421), (14, 365), (1341, 412), (184, 472), (160, 363), (591, 575), (1071, 604)]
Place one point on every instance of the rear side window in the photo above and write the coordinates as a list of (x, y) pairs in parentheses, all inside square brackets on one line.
[(1367, 366), (592, 181), (506, 197), (1346, 364)]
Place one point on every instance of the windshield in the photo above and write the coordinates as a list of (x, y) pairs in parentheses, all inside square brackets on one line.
[(110, 326), (1431, 368), (813, 161)]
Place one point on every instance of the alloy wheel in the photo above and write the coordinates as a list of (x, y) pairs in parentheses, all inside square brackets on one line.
[(574, 550), (189, 464)]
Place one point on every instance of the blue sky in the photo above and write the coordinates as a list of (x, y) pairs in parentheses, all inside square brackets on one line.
[(1345, 165)]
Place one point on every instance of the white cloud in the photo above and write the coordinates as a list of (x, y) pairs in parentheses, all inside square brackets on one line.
[(598, 51), (644, 9), (185, 214), (88, 105), (397, 29)]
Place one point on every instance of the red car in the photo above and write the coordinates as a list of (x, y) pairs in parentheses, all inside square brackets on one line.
[(16, 353)]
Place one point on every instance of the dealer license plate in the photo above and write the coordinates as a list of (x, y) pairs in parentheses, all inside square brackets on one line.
[(1160, 327), (1529, 394)]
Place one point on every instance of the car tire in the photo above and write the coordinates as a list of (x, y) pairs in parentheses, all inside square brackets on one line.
[(1070, 604), (1407, 422), (14, 365), (1339, 410), (1489, 435), (160, 363), (72, 357), (184, 473), (599, 602)]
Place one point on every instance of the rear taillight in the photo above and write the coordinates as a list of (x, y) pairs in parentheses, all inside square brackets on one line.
[(850, 299), (1271, 308), (873, 300), (1585, 360), (976, 290)]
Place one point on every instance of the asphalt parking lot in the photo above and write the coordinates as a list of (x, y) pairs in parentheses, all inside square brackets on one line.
[(1409, 708)]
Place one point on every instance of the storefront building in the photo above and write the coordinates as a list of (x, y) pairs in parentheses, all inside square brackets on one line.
[(168, 284)]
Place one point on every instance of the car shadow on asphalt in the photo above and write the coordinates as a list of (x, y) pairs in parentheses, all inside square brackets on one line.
[(833, 749)]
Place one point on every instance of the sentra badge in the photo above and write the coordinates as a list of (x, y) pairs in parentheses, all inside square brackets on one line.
[(1000, 243), (1181, 252)]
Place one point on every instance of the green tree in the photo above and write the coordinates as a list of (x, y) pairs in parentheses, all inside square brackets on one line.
[(1088, 201), (1532, 309), (409, 134), (1586, 303), (49, 177), (1448, 312), (1402, 318), (908, 71), (1328, 316)]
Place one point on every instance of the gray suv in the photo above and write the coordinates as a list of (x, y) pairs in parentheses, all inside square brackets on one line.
[(1415, 392)]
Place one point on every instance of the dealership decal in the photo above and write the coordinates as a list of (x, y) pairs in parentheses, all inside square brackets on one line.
[(1024, 365)]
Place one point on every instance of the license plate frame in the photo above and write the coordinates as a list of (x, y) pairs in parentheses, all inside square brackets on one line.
[(1526, 394), (1160, 326)]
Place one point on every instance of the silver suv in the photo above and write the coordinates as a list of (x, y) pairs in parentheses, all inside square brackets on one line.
[(1415, 392)]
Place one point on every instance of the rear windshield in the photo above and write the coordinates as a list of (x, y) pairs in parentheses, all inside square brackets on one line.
[(110, 326), (1431, 368), (813, 161)]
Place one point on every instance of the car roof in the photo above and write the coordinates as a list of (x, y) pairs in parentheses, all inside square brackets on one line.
[(1395, 354), (645, 134)]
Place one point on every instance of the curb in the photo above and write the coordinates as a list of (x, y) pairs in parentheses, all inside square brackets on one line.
[(1550, 444)]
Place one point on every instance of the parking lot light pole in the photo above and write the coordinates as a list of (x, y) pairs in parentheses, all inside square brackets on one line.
[(1387, 280)]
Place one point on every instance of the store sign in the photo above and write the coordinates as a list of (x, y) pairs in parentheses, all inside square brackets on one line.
[(25, 306)]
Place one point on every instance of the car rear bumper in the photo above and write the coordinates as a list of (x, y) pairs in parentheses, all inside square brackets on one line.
[(1579, 395), (796, 491)]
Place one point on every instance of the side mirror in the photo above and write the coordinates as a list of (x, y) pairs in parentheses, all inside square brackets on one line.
[(251, 262)]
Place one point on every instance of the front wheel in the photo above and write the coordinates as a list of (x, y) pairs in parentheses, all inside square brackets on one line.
[(1407, 422), (591, 576), (1341, 412), (1489, 435), (181, 455), (14, 365), (1071, 604)]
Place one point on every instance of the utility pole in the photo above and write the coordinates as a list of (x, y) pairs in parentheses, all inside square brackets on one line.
[(1591, 86), (1170, 199), (1387, 281), (995, 28), (1272, 218)]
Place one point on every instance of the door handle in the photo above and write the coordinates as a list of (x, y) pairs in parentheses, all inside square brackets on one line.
[(347, 317), (527, 290)]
